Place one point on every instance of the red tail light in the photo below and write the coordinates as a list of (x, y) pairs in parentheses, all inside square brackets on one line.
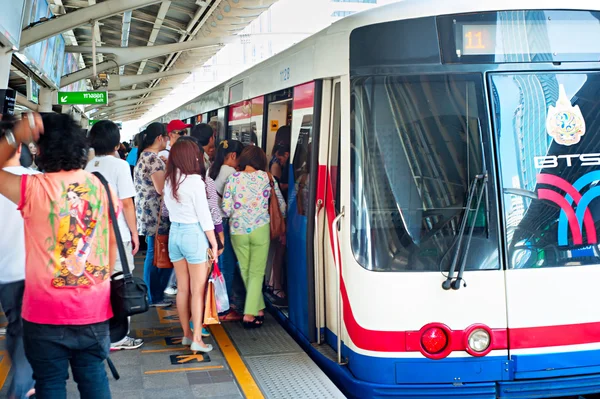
[(434, 340)]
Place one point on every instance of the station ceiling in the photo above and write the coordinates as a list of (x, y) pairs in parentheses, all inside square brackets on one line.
[(145, 23)]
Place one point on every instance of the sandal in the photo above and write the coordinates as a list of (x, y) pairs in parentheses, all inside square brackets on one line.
[(256, 323), (231, 316)]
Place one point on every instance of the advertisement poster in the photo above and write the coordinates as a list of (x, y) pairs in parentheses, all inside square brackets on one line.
[(46, 58), (10, 23)]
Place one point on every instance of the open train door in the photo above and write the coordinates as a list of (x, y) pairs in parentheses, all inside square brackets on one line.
[(547, 130)]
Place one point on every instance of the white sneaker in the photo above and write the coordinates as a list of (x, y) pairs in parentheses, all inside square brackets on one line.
[(171, 291), (127, 343)]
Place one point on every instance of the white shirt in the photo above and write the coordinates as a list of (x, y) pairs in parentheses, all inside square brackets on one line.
[(192, 206), (165, 153), (12, 235), (220, 183), (206, 161), (118, 174)]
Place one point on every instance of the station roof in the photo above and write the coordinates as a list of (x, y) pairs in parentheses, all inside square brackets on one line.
[(200, 27)]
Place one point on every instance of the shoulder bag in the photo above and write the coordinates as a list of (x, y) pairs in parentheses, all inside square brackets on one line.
[(128, 295), (277, 222), (161, 246)]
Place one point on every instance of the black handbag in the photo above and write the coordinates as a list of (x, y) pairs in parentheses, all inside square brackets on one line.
[(128, 295)]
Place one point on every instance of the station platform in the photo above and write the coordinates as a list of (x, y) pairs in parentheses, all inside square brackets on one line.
[(259, 363)]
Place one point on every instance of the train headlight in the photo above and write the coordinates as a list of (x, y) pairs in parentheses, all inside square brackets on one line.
[(479, 340)]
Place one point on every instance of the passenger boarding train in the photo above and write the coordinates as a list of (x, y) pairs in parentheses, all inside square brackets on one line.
[(443, 204)]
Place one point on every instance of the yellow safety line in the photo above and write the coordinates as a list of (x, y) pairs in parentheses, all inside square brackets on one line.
[(4, 367), (165, 350), (184, 370), (239, 369)]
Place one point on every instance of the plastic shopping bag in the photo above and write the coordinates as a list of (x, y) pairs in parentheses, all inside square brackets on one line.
[(220, 289)]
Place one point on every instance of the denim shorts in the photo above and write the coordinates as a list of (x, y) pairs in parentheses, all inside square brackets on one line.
[(189, 242)]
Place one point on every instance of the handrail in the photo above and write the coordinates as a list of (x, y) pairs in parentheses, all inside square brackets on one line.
[(334, 228), (317, 256)]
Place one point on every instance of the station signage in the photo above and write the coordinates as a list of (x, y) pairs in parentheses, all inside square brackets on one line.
[(82, 97)]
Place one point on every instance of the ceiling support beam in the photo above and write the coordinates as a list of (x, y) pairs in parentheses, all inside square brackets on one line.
[(125, 35), (127, 105), (162, 13), (130, 55), (129, 80), (77, 18), (122, 94)]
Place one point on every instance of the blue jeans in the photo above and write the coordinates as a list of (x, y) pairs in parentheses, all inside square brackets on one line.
[(11, 298), (156, 279), (50, 349), (230, 269)]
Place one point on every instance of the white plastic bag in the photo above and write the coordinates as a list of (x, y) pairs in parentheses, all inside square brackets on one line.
[(220, 289)]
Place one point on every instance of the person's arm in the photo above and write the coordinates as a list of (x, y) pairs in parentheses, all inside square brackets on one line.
[(129, 213), (10, 185), (282, 205), (158, 180)]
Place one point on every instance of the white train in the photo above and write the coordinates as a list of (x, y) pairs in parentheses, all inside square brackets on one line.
[(442, 236)]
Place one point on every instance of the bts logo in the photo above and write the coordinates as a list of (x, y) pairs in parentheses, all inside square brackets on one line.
[(573, 218)]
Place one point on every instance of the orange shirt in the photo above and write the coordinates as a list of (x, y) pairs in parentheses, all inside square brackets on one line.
[(67, 275)]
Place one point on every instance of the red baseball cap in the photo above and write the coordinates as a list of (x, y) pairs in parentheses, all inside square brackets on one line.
[(177, 125)]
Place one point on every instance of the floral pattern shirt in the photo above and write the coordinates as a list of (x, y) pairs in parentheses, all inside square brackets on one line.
[(147, 199), (246, 201)]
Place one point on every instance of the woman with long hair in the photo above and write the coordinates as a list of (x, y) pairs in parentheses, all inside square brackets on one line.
[(225, 164), (192, 230), (246, 202), (149, 181)]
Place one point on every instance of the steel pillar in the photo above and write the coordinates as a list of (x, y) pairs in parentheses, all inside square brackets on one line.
[(46, 97)]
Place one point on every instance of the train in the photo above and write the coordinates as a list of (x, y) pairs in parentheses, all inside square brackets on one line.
[(444, 181)]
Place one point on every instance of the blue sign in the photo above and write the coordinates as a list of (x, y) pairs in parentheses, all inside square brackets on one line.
[(10, 23)]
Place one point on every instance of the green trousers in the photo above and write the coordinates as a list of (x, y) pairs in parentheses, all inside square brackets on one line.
[(252, 251)]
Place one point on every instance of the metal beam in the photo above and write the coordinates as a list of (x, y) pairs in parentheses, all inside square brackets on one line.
[(131, 93), (127, 105), (162, 13), (77, 18), (129, 80), (125, 35), (134, 54)]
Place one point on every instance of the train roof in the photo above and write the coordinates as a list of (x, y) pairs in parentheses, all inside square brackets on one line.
[(326, 53)]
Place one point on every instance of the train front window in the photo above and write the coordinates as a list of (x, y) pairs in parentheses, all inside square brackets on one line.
[(418, 145), (547, 127)]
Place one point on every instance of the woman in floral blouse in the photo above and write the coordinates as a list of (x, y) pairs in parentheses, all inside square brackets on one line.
[(246, 203), (149, 180)]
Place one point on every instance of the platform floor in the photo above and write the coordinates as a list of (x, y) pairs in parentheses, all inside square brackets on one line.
[(260, 363)]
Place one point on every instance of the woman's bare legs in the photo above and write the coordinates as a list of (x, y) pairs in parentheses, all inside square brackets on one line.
[(183, 296), (198, 280)]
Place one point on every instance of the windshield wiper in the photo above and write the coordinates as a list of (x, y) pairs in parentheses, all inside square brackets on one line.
[(450, 282)]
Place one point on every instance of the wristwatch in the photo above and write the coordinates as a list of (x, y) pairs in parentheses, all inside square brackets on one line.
[(10, 138)]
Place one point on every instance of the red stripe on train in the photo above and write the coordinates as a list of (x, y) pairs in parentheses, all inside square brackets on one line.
[(409, 341)]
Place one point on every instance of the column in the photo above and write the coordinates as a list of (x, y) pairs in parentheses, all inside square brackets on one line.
[(46, 99)]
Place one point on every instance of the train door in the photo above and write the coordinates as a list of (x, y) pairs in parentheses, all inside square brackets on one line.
[(549, 155), (328, 206), (299, 271)]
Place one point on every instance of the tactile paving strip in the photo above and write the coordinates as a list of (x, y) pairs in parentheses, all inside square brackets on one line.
[(292, 376), (270, 339)]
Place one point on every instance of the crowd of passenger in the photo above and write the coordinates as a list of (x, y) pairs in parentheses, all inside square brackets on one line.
[(58, 248)]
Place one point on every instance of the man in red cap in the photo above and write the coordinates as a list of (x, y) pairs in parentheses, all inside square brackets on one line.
[(176, 128)]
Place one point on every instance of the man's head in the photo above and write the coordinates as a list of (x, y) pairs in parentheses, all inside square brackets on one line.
[(62, 147), (282, 153), (104, 138), (176, 129), (206, 138)]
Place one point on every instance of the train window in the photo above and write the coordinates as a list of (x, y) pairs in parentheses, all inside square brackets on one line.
[(546, 124), (417, 148)]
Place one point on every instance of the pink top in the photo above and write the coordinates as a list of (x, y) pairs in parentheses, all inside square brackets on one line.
[(67, 269)]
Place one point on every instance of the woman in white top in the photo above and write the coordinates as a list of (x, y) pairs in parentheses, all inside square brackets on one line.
[(226, 163), (192, 229)]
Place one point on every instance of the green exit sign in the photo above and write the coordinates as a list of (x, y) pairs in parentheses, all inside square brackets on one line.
[(92, 122), (82, 97)]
